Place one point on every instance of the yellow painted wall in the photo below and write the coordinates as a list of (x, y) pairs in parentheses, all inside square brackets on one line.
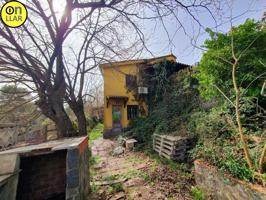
[(115, 85)]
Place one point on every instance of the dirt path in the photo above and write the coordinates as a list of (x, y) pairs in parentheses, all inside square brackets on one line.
[(139, 177)]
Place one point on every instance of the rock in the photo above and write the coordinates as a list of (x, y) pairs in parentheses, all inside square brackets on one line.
[(118, 151), (130, 144), (120, 140)]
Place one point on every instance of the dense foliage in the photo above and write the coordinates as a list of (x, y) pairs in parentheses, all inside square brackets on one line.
[(219, 140), (175, 106), (172, 96), (215, 69)]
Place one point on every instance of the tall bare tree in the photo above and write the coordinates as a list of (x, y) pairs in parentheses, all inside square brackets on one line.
[(52, 53)]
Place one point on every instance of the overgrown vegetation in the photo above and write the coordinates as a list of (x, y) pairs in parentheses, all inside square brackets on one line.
[(197, 193), (172, 96), (231, 134), (96, 132), (203, 102)]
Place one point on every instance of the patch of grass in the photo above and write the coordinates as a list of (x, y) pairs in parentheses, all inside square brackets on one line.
[(110, 178), (96, 132), (130, 198), (163, 161), (114, 188), (132, 173), (94, 188), (94, 160), (169, 198), (197, 193), (147, 178), (135, 159), (110, 189)]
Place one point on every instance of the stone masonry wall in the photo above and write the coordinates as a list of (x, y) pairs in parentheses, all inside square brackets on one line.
[(77, 172), (223, 187)]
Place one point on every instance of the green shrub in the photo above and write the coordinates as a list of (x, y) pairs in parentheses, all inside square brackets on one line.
[(197, 193), (91, 122), (238, 168), (213, 70), (217, 143)]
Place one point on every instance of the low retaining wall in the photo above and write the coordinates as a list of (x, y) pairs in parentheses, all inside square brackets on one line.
[(224, 187)]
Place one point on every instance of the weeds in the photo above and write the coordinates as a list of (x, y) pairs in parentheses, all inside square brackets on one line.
[(94, 188), (114, 188), (96, 132), (197, 193)]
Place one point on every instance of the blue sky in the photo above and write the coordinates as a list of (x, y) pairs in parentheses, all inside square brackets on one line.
[(182, 47)]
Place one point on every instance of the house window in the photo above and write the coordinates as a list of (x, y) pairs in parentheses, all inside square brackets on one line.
[(132, 112), (131, 81)]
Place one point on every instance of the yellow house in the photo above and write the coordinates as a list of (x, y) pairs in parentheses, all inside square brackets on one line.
[(122, 89)]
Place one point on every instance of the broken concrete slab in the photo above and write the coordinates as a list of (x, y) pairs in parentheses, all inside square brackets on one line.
[(130, 144)]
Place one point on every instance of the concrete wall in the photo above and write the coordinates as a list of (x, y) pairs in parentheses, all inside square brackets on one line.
[(223, 187)]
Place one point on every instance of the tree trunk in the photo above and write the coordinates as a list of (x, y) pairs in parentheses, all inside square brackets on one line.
[(55, 111), (239, 124), (82, 122), (78, 109), (64, 125)]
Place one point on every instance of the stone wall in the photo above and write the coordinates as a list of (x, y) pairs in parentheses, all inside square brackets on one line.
[(77, 172), (42, 176), (224, 187)]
